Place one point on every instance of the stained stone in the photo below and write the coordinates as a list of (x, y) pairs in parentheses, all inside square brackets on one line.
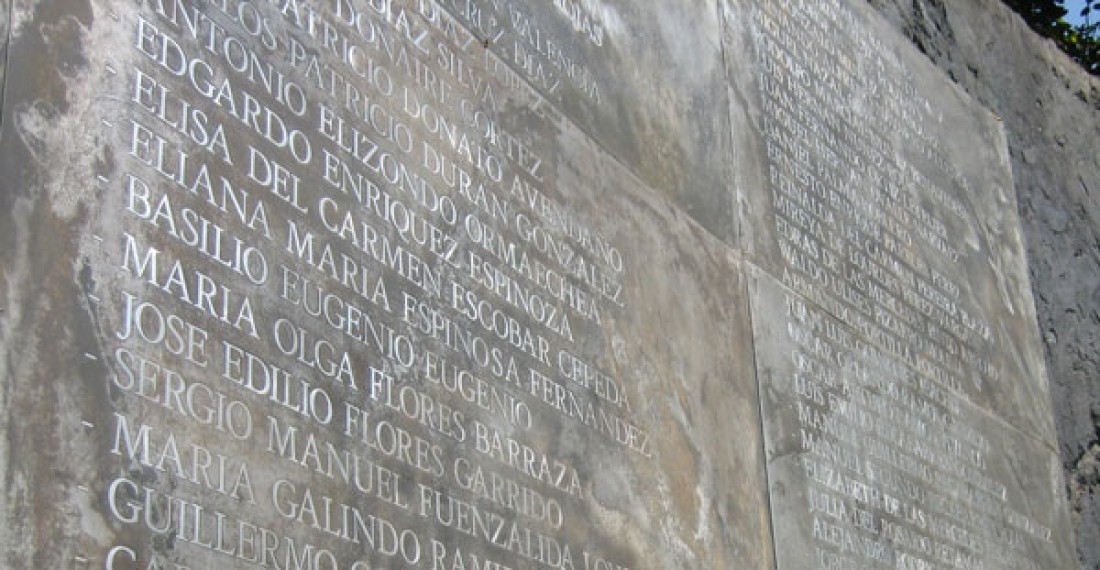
[(500, 284), (643, 79), (897, 200)]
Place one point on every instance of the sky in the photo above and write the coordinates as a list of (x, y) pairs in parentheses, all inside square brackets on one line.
[(1074, 8)]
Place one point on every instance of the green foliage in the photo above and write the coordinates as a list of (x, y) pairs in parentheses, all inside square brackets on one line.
[(1048, 17)]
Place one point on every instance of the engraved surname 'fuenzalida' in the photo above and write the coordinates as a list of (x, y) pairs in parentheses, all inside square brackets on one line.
[(469, 518)]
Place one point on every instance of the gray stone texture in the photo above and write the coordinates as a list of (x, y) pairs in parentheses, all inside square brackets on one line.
[(380, 207), (1051, 113), (981, 252), (646, 71), (867, 156), (863, 489), (113, 423)]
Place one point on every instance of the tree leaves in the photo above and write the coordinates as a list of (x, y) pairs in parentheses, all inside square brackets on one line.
[(1047, 17)]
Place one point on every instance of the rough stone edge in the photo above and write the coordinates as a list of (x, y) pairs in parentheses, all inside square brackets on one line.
[(5, 29)]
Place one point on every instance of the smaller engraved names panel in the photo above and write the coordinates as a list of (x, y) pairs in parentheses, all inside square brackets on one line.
[(644, 79), (872, 465), (329, 285), (906, 411), (884, 195)]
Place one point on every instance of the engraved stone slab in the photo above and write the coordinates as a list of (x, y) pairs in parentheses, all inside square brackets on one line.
[(885, 196), (286, 287), (460, 284), (871, 465), (905, 404), (644, 79)]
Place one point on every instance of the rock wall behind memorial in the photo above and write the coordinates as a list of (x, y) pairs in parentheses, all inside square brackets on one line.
[(460, 284)]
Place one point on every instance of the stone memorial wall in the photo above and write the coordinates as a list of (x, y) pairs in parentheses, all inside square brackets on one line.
[(355, 284), (903, 391)]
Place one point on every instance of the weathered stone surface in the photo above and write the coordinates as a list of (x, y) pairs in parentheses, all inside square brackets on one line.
[(1052, 119), (253, 315), (903, 350), (872, 465), (335, 284), (5, 28), (889, 208)]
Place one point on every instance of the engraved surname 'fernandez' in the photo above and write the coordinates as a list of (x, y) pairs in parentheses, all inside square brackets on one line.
[(564, 401)]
